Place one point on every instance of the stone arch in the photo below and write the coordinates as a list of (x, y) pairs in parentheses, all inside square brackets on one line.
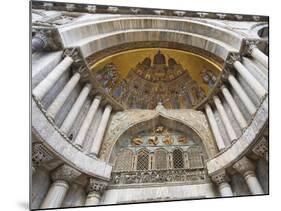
[(112, 144)]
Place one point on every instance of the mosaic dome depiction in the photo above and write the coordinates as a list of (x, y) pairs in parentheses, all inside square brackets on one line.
[(136, 105)]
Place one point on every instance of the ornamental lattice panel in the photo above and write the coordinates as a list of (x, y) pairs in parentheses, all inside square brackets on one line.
[(143, 160), (124, 161), (178, 159), (195, 159), (160, 158)]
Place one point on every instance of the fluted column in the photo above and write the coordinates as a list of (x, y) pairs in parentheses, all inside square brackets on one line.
[(222, 181), (100, 131), (234, 108), (75, 109), (242, 94), (258, 55), (47, 83), (79, 140), (214, 127), (56, 105), (250, 79), (61, 177), (246, 168), (226, 122), (95, 190)]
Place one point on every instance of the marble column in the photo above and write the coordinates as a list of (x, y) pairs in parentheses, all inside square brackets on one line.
[(57, 104), (75, 109), (246, 168), (258, 55), (234, 108), (62, 178), (214, 127), (250, 79), (242, 94), (222, 181), (79, 140), (226, 122), (96, 188), (47, 83), (100, 131)]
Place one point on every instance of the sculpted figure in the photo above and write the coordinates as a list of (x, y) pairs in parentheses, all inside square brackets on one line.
[(182, 139), (168, 140), (153, 140), (159, 129), (136, 141)]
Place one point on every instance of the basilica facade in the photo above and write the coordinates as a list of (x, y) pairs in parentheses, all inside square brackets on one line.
[(137, 105)]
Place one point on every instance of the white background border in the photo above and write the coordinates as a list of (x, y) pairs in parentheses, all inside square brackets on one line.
[(14, 116)]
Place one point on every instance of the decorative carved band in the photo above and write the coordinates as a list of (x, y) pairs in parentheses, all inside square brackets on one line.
[(159, 176)]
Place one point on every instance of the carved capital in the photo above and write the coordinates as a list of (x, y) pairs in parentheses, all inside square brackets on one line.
[(96, 186), (261, 148), (232, 57), (220, 177), (244, 166), (40, 154), (50, 38), (65, 173)]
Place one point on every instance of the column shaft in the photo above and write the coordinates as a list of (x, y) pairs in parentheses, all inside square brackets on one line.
[(100, 131), (242, 95), (55, 195), (225, 189), (93, 198), (260, 56), (253, 183), (79, 140), (74, 111), (214, 127), (234, 108), (56, 105), (47, 83), (250, 79), (226, 122)]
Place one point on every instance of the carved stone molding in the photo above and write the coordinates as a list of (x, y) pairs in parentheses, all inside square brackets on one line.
[(244, 166), (66, 173), (220, 177), (261, 148), (40, 154), (96, 186)]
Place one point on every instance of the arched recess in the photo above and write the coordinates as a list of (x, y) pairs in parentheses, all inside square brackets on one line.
[(143, 147), (191, 120)]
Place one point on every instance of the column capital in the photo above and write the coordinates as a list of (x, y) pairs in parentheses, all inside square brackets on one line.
[(244, 166), (220, 177), (96, 186), (40, 154), (50, 38), (232, 57), (66, 173), (248, 45), (261, 148)]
